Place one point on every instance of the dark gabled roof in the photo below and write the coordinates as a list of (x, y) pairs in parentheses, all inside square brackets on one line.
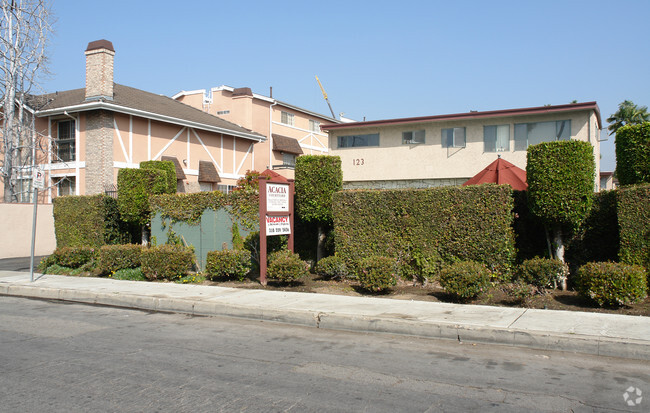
[(179, 169), (286, 144), (208, 173), (472, 115), (138, 102)]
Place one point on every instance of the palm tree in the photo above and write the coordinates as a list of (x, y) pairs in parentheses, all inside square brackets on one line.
[(627, 114)]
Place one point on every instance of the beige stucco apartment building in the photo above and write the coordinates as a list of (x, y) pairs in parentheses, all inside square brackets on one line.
[(291, 131), (449, 149)]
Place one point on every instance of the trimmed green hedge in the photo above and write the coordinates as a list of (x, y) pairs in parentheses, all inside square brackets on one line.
[(90, 221), (598, 237), (465, 279), (286, 266), (228, 263), (166, 166), (560, 178), (634, 224), (134, 186), (317, 178), (612, 283), (119, 257), (167, 262), (188, 208), (377, 273), (452, 223), (633, 154)]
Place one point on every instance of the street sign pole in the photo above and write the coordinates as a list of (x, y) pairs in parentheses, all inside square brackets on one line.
[(31, 262), (38, 182)]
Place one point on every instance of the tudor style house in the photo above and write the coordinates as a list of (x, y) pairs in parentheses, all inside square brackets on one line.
[(291, 131), (449, 149), (93, 132)]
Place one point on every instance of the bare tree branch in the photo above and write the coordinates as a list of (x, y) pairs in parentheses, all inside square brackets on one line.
[(24, 30)]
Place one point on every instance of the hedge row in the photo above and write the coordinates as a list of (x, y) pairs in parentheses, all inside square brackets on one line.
[(451, 223), (633, 154), (188, 208), (634, 225), (87, 221)]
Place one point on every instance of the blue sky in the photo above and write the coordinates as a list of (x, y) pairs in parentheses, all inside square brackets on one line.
[(376, 59)]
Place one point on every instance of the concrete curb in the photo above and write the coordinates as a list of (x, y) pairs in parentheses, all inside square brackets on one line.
[(543, 340)]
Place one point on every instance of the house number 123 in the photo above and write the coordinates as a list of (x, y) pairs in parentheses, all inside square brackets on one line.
[(357, 162)]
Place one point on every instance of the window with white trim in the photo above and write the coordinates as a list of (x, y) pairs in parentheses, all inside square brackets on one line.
[(65, 141), (24, 190), (65, 185), (412, 137), (453, 138), (354, 141), (496, 138), (527, 134), (314, 125), (287, 118)]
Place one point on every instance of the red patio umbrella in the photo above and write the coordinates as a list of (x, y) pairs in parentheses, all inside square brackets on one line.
[(501, 172)]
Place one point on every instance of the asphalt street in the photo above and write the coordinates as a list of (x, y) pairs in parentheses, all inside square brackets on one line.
[(57, 356)]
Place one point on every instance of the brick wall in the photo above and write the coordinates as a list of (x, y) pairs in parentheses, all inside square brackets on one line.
[(99, 151)]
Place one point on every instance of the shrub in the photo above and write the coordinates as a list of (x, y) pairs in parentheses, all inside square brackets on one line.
[(611, 283), (634, 224), (118, 257), (465, 279), (228, 263), (377, 273), (598, 237), (332, 267), (273, 244), (166, 166), (633, 154), (90, 221), (541, 272), (428, 266), (167, 262), (74, 257), (453, 223), (131, 274), (286, 266), (560, 178)]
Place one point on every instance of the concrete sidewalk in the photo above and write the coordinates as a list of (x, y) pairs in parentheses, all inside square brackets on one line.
[(591, 333)]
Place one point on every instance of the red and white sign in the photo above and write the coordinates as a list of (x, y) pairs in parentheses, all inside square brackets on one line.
[(278, 225), (277, 198)]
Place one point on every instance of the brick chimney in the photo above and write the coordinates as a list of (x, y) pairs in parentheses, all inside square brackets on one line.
[(99, 70)]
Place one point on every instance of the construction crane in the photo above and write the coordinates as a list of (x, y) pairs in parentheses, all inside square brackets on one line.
[(325, 96)]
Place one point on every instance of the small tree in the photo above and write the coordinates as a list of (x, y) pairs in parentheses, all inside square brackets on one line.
[(633, 154), (317, 178), (560, 179), (133, 189)]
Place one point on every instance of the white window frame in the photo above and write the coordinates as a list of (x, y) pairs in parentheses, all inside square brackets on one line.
[(413, 137), (70, 140), (287, 118), (314, 125), (70, 181), (497, 147), (455, 140)]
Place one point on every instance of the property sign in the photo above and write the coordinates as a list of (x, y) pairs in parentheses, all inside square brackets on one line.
[(277, 198), (278, 225)]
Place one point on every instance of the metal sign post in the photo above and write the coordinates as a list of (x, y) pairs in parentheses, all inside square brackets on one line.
[(276, 214), (38, 182)]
